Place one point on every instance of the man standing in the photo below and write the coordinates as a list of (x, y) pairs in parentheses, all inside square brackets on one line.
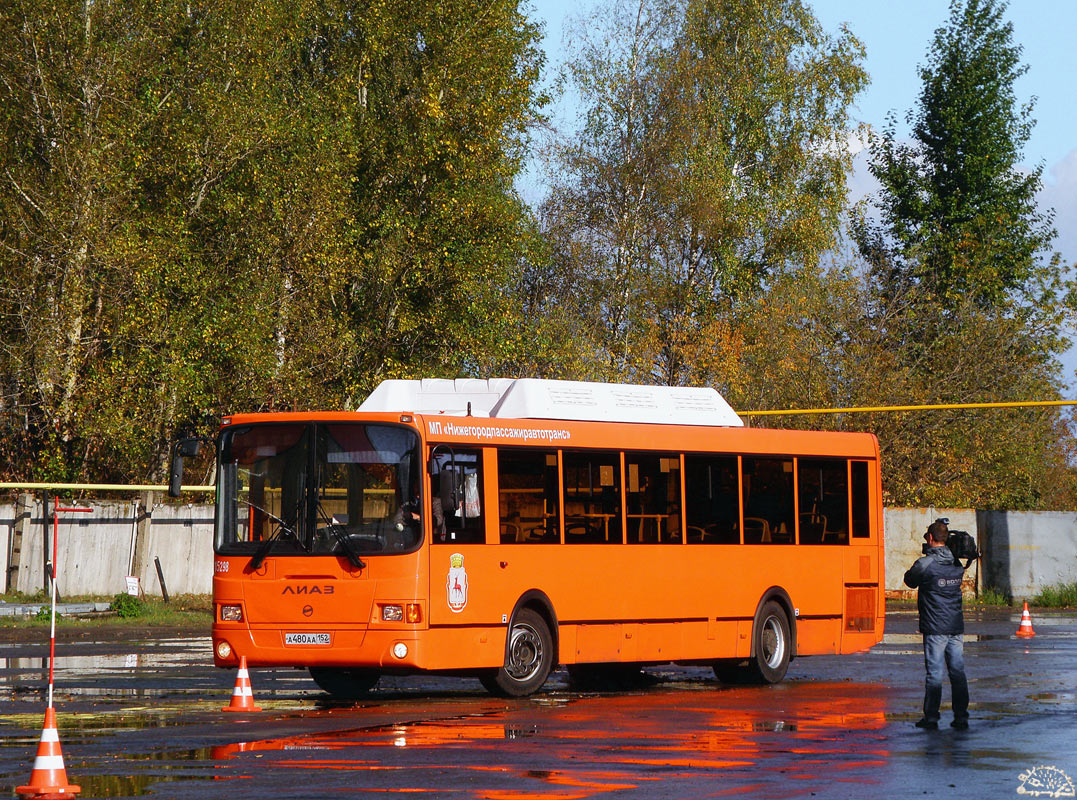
[(937, 578)]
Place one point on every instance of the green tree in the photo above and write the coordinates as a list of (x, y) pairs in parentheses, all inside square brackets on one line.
[(916, 353), (963, 298), (437, 229), (214, 207), (135, 208), (711, 158), (958, 213)]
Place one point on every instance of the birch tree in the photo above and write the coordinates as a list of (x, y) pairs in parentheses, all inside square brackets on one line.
[(711, 157)]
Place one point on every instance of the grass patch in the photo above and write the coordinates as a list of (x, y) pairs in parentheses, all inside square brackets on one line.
[(40, 596), (992, 597), (1062, 595), (185, 610), (128, 606), (185, 607)]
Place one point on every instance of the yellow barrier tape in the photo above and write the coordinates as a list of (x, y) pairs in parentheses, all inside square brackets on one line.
[(933, 407), (119, 487), (103, 487)]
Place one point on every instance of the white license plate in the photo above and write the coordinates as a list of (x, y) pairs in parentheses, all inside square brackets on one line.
[(306, 638)]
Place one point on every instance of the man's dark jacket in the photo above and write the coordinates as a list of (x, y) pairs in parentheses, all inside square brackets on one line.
[(938, 581)]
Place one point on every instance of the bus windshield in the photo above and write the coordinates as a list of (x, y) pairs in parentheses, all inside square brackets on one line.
[(343, 489)]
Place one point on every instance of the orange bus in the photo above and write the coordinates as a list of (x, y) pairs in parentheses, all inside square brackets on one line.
[(500, 528)]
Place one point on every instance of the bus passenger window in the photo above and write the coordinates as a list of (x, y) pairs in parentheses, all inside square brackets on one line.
[(768, 500), (711, 499), (823, 500), (861, 516), (653, 497), (592, 493), (528, 496), (456, 496)]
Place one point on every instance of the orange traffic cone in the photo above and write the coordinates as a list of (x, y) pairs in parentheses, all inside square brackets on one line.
[(242, 696), (1025, 629), (49, 778)]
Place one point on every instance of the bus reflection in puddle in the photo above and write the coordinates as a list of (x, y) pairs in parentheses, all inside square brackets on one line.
[(801, 733)]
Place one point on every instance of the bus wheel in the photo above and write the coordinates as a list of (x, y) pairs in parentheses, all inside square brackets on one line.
[(344, 684), (528, 657), (772, 643)]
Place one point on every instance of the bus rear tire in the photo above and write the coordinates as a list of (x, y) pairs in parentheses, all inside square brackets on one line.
[(528, 658), (344, 683), (772, 645)]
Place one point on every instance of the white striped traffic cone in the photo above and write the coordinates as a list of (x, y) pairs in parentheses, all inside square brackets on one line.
[(242, 696), (1025, 629), (49, 778)]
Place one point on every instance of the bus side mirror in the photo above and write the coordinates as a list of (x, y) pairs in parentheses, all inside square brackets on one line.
[(449, 492), (184, 448)]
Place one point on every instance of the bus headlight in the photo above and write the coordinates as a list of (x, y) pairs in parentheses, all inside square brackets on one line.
[(231, 613), (400, 650), (224, 650), (392, 613)]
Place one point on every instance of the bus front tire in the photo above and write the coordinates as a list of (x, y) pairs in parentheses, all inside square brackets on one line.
[(772, 645), (344, 683), (528, 657)]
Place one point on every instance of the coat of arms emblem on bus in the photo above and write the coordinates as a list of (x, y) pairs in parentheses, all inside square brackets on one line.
[(456, 583)]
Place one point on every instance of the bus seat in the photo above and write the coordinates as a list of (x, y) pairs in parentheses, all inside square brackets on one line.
[(582, 529), (813, 526), (756, 526), (511, 527), (839, 534), (673, 527)]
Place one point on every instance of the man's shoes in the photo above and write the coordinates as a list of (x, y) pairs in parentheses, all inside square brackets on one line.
[(928, 724), (960, 724)]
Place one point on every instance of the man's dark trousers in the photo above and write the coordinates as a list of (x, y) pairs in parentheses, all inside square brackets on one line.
[(940, 648)]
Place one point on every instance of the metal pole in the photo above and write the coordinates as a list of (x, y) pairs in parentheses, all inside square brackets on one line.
[(52, 576), (161, 578), (45, 541), (51, 569)]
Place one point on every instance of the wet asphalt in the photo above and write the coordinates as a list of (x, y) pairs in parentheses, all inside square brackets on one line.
[(142, 717)]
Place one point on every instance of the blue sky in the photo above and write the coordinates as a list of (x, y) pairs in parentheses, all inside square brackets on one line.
[(897, 35)]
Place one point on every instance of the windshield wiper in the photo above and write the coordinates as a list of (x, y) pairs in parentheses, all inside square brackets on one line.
[(263, 549), (342, 537)]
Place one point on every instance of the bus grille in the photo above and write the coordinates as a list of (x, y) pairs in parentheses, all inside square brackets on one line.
[(859, 609)]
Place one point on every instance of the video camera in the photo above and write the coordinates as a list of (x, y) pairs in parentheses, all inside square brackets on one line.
[(960, 543)]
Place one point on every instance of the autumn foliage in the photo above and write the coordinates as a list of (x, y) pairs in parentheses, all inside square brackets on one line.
[(211, 207)]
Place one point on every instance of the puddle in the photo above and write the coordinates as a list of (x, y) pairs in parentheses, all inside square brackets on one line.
[(183, 653), (144, 779), (1057, 697), (619, 742)]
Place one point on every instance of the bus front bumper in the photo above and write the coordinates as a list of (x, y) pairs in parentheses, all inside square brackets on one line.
[(295, 647)]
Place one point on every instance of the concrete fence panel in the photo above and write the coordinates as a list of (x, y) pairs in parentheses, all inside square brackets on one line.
[(1025, 552), (903, 532), (7, 539), (182, 538), (94, 549), (97, 550)]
